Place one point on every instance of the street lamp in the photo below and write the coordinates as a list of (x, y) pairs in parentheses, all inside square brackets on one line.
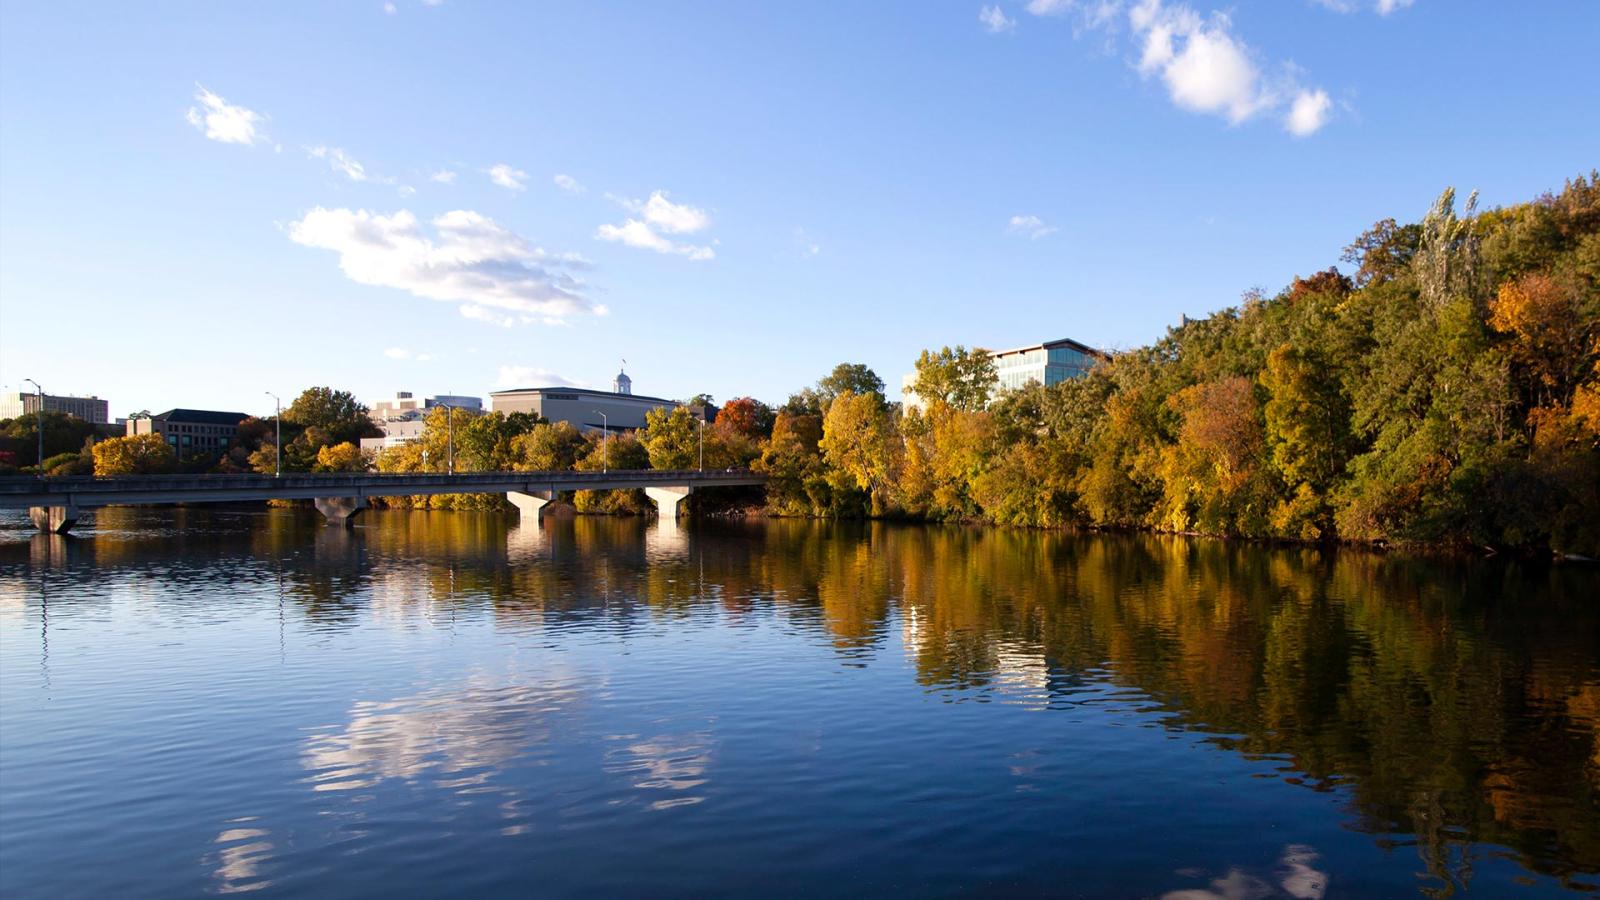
[(277, 442), (449, 438), (38, 424), (605, 436), (702, 442)]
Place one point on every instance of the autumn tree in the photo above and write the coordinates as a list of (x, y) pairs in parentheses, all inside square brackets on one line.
[(344, 457), (858, 442), (961, 378), (139, 454)]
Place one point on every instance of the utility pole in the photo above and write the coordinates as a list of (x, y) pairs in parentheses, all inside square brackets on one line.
[(277, 442), (38, 425)]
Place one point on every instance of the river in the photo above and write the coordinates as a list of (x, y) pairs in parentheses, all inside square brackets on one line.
[(200, 701)]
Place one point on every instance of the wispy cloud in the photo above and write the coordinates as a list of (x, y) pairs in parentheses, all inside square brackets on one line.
[(995, 20), (1031, 227), (507, 177), (1308, 113), (568, 183), (1382, 7), (654, 218), (472, 260), (342, 162), (222, 121), (443, 176)]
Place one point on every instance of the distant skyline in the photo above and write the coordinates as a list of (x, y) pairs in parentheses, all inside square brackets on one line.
[(444, 196)]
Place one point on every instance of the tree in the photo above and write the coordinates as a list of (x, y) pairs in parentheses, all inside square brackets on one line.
[(345, 457), (140, 454), (548, 448), (745, 416), (858, 442), (672, 438), (336, 412), (62, 434), (961, 378), (855, 378)]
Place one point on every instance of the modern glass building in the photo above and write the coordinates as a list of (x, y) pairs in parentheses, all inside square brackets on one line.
[(1051, 362)]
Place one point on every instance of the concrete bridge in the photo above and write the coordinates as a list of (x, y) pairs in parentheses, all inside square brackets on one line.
[(56, 503)]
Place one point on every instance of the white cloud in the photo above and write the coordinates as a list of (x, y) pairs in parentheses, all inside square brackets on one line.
[(658, 214), (390, 8), (1308, 112), (221, 121), (1388, 6), (1049, 7), (1382, 7), (397, 353), (443, 176), (635, 233), (473, 261), (1206, 69), (568, 183), (995, 21), (407, 190), (339, 161), (1031, 227), (673, 218), (805, 243), (507, 177), (531, 376)]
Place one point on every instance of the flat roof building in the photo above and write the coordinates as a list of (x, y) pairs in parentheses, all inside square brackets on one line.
[(1050, 362), (619, 409), (403, 406), (192, 431), (89, 409)]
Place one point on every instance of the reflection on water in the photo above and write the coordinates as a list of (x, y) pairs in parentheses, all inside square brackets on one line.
[(230, 701)]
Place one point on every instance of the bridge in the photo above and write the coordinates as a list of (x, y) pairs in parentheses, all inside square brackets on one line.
[(55, 504)]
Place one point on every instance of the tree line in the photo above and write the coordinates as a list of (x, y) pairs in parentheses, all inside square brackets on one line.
[(1445, 391)]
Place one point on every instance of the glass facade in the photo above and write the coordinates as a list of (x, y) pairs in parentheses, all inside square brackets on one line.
[(1047, 364)]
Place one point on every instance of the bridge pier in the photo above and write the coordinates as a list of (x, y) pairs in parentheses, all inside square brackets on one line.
[(530, 504), (54, 519), (340, 511), (668, 498)]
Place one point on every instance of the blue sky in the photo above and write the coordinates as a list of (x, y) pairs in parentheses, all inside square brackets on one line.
[(203, 202)]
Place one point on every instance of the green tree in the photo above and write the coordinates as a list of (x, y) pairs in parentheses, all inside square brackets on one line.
[(672, 438), (961, 378), (337, 413)]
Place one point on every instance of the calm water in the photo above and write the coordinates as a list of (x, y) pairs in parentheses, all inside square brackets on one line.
[(198, 702)]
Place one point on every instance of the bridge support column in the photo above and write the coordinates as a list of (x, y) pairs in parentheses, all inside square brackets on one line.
[(668, 498), (340, 511), (54, 519), (530, 504)]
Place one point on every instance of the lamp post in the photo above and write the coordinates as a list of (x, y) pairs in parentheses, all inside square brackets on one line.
[(702, 442), (605, 437), (38, 425), (449, 438), (277, 442)]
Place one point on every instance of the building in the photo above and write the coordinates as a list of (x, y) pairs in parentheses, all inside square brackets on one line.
[(396, 433), (89, 409), (1051, 362), (191, 431), (403, 407), (620, 409)]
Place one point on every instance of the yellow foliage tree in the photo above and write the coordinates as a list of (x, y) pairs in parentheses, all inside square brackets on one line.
[(345, 457), (139, 454)]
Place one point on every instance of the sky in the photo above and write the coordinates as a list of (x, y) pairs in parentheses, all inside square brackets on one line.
[(201, 203)]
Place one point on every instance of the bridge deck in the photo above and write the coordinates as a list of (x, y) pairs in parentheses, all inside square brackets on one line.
[(87, 492)]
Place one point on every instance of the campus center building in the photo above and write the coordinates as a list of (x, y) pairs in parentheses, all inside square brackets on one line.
[(620, 409), (403, 407)]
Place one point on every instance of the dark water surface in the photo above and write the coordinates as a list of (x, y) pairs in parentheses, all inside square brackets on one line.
[(448, 704)]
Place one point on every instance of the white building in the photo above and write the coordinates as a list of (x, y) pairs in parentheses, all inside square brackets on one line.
[(1051, 362), (620, 409), (89, 409), (404, 407)]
